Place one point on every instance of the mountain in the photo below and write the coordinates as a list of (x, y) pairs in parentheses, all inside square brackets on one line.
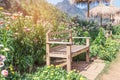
[(74, 10), (70, 9)]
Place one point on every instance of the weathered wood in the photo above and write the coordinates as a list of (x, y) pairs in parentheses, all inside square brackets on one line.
[(47, 50), (65, 43), (87, 42), (65, 49), (48, 54), (63, 64), (87, 55), (68, 49)]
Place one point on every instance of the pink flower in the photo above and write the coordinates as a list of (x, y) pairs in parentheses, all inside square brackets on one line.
[(2, 58), (26, 29), (6, 14), (1, 22), (4, 73)]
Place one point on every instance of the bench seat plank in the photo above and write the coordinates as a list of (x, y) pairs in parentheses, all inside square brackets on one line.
[(61, 50)]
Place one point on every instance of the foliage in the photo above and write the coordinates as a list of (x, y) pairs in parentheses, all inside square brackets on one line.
[(98, 43), (25, 35), (116, 30), (83, 29), (45, 12), (54, 73), (25, 40), (109, 50), (104, 48), (116, 36)]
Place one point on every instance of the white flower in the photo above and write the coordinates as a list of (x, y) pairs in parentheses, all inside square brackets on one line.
[(5, 49), (2, 58), (1, 64), (1, 45)]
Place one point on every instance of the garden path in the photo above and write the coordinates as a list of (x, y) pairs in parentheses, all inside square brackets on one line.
[(114, 70), (93, 69)]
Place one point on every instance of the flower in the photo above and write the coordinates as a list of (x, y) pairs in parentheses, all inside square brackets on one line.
[(1, 64), (13, 72), (6, 14), (81, 78), (26, 29), (5, 49), (74, 70), (1, 22), (1, 45), (15, 16), (11, 67), (2, 58), (4, 73), (1, 8), (7, 28), (57, 66), (16, 34)]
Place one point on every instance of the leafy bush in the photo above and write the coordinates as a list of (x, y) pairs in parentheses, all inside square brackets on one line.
[(104, 48), (109, 50), (116, 30), (54, 73), (85, 28), (98, 43), (116, 36), (25, 37)]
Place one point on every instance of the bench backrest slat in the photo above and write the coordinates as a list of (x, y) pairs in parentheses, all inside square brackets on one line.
[(64, 35)]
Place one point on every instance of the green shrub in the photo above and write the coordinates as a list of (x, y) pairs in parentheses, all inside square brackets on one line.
[(25, 40), (116, 36), (109, 50), (54, 73), (116, 30), (97, 43), (104, 48)]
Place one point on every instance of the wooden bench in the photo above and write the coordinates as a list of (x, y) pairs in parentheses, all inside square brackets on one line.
[(64, 47)]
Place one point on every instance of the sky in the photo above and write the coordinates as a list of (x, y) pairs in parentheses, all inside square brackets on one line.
[(54, 1), (115, 2)]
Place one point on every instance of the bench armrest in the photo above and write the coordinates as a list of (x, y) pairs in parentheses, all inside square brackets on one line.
[(87, 39), (64, 43), (81, 37)]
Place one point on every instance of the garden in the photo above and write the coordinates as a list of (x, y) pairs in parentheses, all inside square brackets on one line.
[(23, 39)]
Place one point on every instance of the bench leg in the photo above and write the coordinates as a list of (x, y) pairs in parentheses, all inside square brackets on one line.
[(68, 63), (47, 60), (87, 55)]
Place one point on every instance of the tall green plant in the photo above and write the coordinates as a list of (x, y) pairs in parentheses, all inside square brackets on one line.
[(98, 43)]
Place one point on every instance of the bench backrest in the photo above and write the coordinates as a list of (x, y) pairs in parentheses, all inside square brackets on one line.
[(62, 36)]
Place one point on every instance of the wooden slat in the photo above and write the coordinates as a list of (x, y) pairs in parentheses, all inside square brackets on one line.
[(74, 48), (62, 64), (51, 42), (59, 32), (79, 52), (59, 39), (81, 37), (58, 55)]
